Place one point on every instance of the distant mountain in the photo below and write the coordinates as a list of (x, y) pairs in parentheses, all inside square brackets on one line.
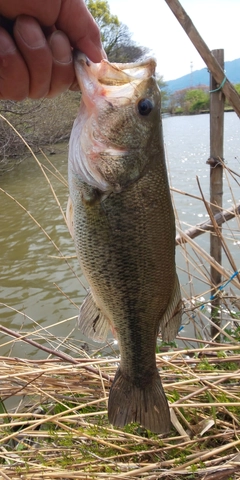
[(201, 77)]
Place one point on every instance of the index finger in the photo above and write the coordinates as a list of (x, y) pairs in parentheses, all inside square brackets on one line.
[(70, 16), (77, 22)]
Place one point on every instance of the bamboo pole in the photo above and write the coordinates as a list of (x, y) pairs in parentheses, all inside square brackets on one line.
[(216, 180), (211, 62), (207, 226)]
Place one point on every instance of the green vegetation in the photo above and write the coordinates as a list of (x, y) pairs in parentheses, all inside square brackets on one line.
[(197, 100), (189, 101), (237, 87), (116, 38)]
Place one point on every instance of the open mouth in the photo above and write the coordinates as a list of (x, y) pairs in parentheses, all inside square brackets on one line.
[(111, 79)]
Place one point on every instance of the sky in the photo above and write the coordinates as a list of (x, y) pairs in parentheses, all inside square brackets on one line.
[(153, 25)]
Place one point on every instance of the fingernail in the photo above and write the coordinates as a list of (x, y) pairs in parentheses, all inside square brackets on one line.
[(30, 32), (60, 47)]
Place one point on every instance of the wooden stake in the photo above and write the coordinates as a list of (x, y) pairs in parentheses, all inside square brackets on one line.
[(216, 181)]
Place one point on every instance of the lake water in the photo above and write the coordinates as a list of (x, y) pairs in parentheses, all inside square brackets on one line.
[(41, 289)]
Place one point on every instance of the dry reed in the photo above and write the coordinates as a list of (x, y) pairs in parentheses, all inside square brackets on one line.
[(59, 427)]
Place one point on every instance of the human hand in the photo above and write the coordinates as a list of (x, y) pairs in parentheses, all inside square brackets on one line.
[(36, 41)]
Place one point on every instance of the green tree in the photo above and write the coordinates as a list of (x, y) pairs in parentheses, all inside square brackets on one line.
[(196, 100), (116, 38), (176, 101), (109, 24), (189, 100), (237, 87)]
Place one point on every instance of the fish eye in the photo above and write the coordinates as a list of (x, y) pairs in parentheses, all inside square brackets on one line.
[(145, 106)]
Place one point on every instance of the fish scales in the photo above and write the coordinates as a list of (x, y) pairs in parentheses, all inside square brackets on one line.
[(128, 267), (125, 241)]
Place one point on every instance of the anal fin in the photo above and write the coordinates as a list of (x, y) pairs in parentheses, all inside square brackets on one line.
[(91, 321), (171, 320)]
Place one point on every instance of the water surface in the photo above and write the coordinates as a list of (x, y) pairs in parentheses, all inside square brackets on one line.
[(38, 282)]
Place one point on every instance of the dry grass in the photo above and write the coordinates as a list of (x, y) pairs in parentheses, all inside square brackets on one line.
[(41, 122), (58, 426)]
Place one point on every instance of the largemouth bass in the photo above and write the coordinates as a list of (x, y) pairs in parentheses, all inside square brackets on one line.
[(124, 230)]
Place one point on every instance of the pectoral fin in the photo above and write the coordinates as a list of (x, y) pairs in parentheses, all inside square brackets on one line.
[(69, 217), (91, 321), (171, 320)]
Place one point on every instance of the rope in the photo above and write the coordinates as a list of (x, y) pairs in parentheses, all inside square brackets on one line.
[(220, 86), (219, 289)]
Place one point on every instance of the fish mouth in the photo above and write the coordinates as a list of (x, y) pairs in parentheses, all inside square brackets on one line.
[(111, 80)]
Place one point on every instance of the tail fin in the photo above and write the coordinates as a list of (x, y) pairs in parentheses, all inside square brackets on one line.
[(147, 406)]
